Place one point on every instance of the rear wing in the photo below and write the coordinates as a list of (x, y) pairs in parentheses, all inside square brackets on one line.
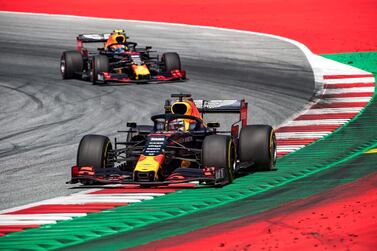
[(97, 38), (92, 38), (214, 106), (224, 106)]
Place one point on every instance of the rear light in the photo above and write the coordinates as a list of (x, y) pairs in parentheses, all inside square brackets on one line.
[(74, 171)]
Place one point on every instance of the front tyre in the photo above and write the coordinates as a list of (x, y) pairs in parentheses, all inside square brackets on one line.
[(171, 61), (94, 151), (218, 151), (257, 143), (100, 63)]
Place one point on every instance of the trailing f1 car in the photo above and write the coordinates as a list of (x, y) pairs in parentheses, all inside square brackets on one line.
[(119, 61), (178, 147)]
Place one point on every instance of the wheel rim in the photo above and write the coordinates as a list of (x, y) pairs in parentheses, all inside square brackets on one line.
[(107, 148), (91, 76), (92, 73), (62, 66), (232, 162), (273, 149)]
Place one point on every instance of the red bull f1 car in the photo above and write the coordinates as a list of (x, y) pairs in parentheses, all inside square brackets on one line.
[(119, 60), (178, 147)]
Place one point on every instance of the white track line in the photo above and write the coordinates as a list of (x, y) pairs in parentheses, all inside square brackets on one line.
[(117, 195), (26, 222), (366, 80), (301, 135), (287, 151), (63, 216), (284, 148), (345, 99), (317, 122), (127, 194), (349, 90), (95, 199), (332, 110)]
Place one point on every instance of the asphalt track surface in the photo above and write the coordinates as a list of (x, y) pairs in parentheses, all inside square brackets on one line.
[(42, 118)]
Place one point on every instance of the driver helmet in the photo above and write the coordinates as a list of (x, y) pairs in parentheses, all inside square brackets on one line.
[(118, 48), (116, 41), (177, 125)]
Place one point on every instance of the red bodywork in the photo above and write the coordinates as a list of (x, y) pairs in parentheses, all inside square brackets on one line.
[(173, 76)]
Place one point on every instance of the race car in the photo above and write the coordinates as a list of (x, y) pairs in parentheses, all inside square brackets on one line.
[(178, 147), (119, 60)]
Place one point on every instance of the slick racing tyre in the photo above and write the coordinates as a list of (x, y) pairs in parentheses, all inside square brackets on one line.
[(257, 144), (71, 64), (171, 61), (100, 63), (94, 151), (218, 151)]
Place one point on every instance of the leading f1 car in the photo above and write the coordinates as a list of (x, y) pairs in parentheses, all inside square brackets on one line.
[(178, 147), (119, 60)]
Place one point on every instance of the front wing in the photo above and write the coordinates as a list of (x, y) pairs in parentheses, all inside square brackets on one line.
[(176, 75), (89, 176)]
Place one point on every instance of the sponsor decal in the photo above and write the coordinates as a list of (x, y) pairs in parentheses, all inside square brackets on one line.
[(96, 36), (185, 140), (154, 146), (211, 104)]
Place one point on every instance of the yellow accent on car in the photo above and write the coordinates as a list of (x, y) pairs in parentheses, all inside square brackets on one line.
[(184, 108), (181, 107), (140, 70), (230, 164), (372, 151), (105, 153), (118, 31), (185, 164), (147, 164)]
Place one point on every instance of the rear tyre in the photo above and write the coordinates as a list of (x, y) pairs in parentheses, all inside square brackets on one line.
[(100, 63), (218, 151), (94, 151), (257, 144), (71, 64), (171, 61)]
